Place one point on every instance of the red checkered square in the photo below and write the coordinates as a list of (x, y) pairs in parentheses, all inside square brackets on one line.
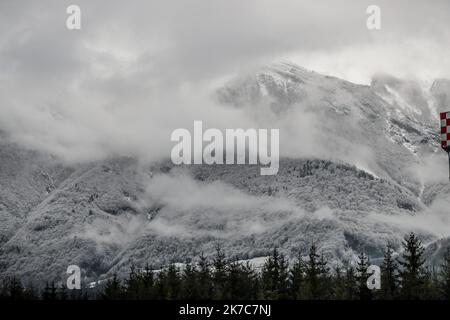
[(445, 130)]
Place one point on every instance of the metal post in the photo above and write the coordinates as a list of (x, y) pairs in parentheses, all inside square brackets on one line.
[(448, 152)]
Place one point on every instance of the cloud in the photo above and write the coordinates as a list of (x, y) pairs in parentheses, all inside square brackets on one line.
[(430, 169), (189, 207), (433, 220), (424, 59), (118, 231), (135, 72)]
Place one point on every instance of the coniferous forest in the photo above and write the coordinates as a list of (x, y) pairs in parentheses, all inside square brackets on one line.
[(403, 277)]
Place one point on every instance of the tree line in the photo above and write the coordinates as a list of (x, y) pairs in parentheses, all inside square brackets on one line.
[(403, 277)]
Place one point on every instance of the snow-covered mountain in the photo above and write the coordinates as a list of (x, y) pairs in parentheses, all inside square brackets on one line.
[(394, 119), (365, 171)]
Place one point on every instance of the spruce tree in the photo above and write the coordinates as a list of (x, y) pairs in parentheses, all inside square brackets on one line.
[(53, 291), (297, 279), (205, 287), (364, 293), (413, 273), (235, 288), (4, 290), (219, 273), (132, 284), (317, 281), (274, 277), (389, 275), (62, 292), (15, 288), (31, 293), (190, 287), (351, 285), (241, 281), (113, 289), (172, 283), (432, 284), (445, 275), (250, 277), (50, 292), (46, 292), (339, 285), (147, 290)]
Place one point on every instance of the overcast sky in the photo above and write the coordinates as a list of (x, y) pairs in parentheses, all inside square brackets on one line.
[(137, 67)]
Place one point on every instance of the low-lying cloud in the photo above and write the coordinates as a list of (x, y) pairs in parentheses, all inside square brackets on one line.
[(434, 220), (189, 207)]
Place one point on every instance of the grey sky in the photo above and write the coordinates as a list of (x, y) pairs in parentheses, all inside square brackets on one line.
[(137, 67)]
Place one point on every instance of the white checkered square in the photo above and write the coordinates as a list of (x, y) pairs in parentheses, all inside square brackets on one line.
[(445, 130)]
